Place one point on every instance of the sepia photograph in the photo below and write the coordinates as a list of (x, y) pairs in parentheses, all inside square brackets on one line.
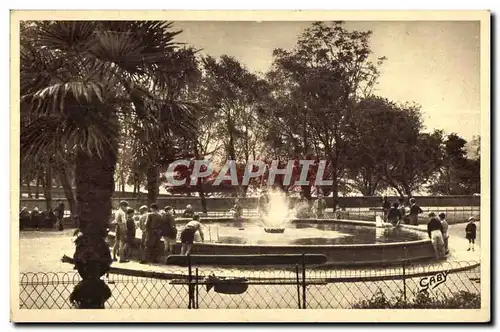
[(230, 164)]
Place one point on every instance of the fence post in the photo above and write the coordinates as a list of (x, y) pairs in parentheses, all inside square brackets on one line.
[(304, 303), (196, 290), (190, 278), (404, 275), (298, 284)]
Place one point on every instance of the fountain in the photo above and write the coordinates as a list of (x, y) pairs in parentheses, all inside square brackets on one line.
[(276, 213), (281, 230)]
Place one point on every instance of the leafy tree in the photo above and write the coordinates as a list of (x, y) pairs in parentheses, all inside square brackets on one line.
[(458, 175), (376, 123), (322, 78), (234, 95)]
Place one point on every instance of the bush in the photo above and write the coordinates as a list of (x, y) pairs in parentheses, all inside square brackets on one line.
[(459, 300)]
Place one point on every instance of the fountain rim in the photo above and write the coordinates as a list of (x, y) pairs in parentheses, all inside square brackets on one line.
[(338, 246)]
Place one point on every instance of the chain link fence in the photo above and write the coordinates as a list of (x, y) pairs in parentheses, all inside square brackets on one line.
[(443, 285)]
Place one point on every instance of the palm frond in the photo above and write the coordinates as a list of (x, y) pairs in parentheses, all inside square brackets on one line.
[(65, 35), (56, 97)]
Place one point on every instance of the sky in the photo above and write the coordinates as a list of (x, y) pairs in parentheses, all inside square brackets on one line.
[(435, 64)]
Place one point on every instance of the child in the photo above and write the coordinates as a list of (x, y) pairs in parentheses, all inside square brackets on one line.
[(444, 223), (386, 206), (394, 215), (130, 232), (470, 233), (435, 231)]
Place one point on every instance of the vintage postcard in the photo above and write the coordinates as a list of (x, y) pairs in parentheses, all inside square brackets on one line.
[(250, 166)]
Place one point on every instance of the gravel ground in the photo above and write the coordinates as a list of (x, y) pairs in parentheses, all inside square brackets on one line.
[(41, 251)]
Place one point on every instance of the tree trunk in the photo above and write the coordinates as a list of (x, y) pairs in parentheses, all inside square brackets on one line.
[(407, 191), (153, 184), (335, 185), (47, 188), (122, 180), (30, 194), (37, 187), (94, 177), (307, 192), (68, 191), (199, 184)]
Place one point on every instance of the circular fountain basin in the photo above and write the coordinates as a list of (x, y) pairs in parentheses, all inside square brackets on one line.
[(343, 242)]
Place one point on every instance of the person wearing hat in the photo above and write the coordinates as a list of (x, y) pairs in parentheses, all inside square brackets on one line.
[(120, 231), (470, 233), (188, 233), (435, 231), (442, 218), (169, 231), (153, 230)]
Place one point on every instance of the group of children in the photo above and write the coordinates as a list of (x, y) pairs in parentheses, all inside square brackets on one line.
[(438, 233), (156, 225), (398, 213), (437, 227)]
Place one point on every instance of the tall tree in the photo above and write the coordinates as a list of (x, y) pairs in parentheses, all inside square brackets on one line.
[(234, 95), (323, 77), (76, 78)]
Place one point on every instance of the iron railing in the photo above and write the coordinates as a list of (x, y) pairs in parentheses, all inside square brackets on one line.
[(447, 284)]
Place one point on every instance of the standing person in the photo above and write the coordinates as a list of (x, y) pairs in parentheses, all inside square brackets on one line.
[(415, 210), (59, 211), (386, 206), (35, 217), (435, 231), (442, 218), (153, 229), (120, 231), (470, 233), (169, 231), (319, 206), (402, 210), (187, 235), (130, 239), (237, 210), (263, 202), (143, 210), (24, 217), (394, 215)]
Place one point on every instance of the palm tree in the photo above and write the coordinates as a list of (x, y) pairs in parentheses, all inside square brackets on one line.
[(77, 79)]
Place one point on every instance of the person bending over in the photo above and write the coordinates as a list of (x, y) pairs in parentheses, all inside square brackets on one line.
[(187, 235), (394, 215)]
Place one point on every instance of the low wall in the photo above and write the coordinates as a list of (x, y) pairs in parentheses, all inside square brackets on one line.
[(340, 255), (222, 203)]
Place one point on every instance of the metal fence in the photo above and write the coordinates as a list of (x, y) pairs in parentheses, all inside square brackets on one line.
[(444, 285)]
